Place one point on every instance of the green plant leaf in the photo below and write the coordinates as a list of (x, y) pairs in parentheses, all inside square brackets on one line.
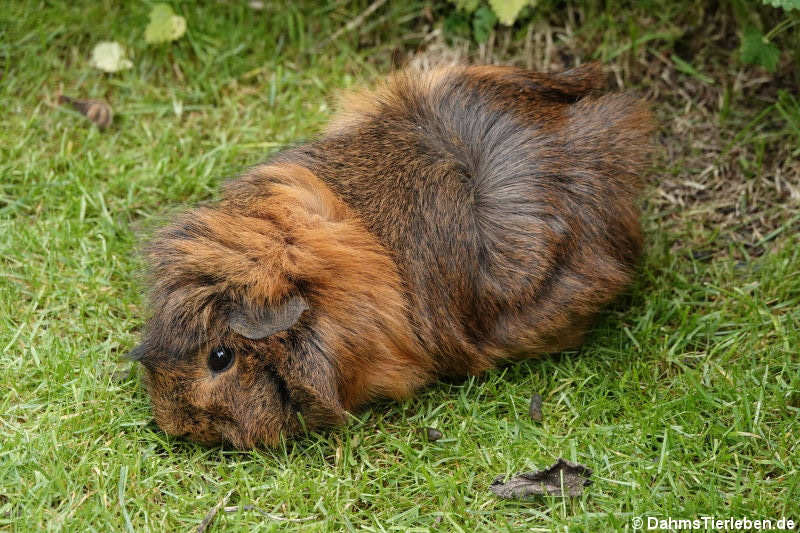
[(109, 56), (165, 26), (789, 108), (687, 68), (757, 50), (457, 25), (468, 6), (507, 10), (785, 4), (482, 24)]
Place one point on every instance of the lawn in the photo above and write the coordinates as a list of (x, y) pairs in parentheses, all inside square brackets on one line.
[(684, 400)]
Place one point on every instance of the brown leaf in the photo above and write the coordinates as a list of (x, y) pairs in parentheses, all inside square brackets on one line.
[(564, 478), (98, 111), (433, 434), (535, 409)]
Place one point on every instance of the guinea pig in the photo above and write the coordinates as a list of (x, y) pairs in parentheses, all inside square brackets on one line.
[(443, 222)]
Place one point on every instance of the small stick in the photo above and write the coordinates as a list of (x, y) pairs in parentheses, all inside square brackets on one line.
[(353, 23), (212, 513), (234, 508)]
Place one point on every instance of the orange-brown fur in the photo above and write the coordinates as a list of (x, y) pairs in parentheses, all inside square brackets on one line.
[(444, 222)]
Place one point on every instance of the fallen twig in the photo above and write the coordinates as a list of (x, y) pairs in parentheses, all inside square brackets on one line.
[(352, 24), (234, 508), (212, 513)]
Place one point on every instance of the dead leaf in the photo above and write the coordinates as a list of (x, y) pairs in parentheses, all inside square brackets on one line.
[(433, 434), (98, 111), (564, 478), (535, 409)]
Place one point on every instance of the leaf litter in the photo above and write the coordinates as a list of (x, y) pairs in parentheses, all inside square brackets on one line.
[(564, 478), (98, 111), (432, 434), (535, 408)]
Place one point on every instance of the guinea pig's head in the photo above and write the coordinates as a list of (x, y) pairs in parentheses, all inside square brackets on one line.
[(263, 313), (228, 358)]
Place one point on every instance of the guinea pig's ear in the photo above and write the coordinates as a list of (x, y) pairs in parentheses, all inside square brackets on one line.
[(265, 321)]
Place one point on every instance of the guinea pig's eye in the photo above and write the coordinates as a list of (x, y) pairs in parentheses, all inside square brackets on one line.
[(220, 359)]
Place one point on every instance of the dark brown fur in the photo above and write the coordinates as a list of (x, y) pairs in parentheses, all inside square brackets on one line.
[(444, 222)]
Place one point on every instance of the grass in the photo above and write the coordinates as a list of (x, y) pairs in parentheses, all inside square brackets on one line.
[(684, 401)]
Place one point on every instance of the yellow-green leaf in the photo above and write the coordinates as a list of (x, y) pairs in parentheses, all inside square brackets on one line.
[(785, 4), (109, 56), (165, 26), (468, 6), (507, 10)]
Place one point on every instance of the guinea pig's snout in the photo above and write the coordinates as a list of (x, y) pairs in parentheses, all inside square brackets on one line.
[(187, 423), (203, 435)]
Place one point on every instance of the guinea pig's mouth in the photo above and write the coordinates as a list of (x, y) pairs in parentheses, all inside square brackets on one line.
[(231, 433), (272, 423), (282, 409), (226, 431)]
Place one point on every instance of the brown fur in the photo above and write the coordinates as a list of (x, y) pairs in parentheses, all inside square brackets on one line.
[(444, 222)]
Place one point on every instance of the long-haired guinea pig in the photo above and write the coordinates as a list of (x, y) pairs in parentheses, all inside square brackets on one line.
[(443, 222)]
